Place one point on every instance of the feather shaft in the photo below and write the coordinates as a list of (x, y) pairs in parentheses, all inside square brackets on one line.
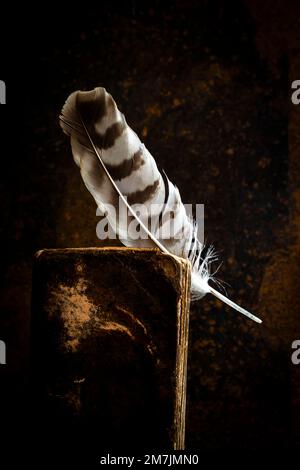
[(233, 305)]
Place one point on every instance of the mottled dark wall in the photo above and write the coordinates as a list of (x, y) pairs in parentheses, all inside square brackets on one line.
[(207, 87)]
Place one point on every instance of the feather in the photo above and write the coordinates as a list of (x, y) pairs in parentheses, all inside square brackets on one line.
[(127, 186)]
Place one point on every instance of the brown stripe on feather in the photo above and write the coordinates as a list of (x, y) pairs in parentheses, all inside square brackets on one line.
[(124, 169), (91, 105), (107, 140), (140, 197)]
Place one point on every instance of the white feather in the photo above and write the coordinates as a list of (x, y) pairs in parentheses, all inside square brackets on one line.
[(103, 145)]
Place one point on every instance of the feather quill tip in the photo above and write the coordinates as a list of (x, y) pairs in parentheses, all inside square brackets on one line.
[(232, 304)]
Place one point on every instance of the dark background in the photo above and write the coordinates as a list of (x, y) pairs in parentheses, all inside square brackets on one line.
[(206, 85)]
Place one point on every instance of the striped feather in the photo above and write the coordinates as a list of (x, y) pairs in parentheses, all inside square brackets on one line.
[(122, 175)]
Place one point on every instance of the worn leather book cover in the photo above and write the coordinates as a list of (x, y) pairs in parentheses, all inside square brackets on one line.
[(109, 344)]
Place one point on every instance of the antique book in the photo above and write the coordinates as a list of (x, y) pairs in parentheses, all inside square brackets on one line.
[(109, 345)]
